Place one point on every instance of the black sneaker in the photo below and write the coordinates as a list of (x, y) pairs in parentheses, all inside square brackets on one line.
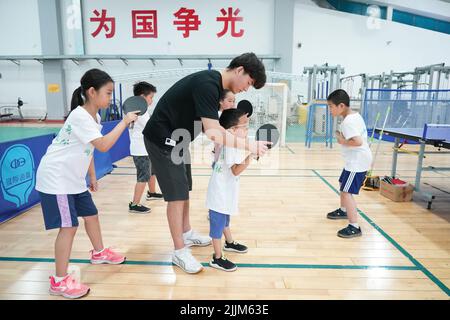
[(337, 214), (151, 195), (138, 208), (222, 264), (235, 247), (349, 232)]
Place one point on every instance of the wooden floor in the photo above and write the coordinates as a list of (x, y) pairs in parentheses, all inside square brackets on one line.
[(294, 252)]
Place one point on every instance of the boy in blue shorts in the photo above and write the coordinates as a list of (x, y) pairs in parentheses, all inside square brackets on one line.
[(357, 156), (223, 190)]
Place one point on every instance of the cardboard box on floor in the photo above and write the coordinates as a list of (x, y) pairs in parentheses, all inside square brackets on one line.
[(397, 193)]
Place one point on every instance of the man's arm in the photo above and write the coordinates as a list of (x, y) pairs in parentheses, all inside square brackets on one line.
[(218, 134)]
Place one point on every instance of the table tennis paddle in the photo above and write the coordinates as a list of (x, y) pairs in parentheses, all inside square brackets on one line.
[(267, 132), (135, 103), (245, 106)]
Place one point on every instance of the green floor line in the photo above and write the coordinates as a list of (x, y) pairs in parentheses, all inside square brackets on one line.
[(242, 265), (432, 277)]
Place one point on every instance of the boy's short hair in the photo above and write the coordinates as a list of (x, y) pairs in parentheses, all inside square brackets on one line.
[(252, 66), (339, 96), (143, 88), (230, 117)]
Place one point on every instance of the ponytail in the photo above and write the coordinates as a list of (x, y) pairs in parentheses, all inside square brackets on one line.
[(77, 99)]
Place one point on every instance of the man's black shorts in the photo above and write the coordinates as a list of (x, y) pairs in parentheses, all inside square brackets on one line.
[(175, 180)]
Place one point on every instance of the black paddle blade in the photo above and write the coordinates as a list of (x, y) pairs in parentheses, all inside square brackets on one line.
[(245, 106), (135, 103), (268, 132)]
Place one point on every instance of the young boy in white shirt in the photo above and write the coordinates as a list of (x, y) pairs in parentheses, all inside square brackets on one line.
[(223, 190), (357, 156), (139, 153)]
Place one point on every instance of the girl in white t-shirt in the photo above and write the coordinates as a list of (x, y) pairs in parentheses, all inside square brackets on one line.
[(60, 179)]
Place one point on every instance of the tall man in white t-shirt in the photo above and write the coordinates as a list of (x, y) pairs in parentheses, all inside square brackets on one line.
[(357, 156), (139, 153)]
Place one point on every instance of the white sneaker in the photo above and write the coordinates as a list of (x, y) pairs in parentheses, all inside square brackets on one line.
[(186, 261), (192, 238)]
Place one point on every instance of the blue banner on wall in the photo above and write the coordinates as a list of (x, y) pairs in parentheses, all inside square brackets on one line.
[(19, 160), (104, 160), (121, 148)]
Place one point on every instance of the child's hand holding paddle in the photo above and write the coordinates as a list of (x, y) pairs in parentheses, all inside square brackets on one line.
[(130, 117)]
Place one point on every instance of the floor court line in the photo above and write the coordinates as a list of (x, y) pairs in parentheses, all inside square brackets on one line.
[(241, 265), (432, 277)]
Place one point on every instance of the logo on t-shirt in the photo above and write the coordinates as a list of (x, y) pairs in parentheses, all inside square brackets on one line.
[(17, 174), (63, 136), (217, 167)]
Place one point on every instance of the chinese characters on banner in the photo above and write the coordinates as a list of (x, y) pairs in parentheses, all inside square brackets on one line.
[(145, 23), (103, 21)]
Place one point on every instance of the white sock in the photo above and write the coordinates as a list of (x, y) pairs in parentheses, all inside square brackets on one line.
[(187, 234), (179, 251), (59, 279), (355, 225), (97, 252), (343, 209)]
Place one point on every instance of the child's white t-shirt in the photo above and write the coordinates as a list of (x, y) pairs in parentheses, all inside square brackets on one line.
[(223, 187), (137, 146), (357, 159), (64, 167)]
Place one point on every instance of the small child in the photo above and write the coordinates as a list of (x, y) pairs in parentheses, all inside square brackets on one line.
[(61, 179), (357, 156), (223, 190), (227, 101), (139, 153)]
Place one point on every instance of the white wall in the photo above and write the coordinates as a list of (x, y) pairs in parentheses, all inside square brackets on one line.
[(27, 81), (170, 41), (19, 27), (345, 39), (326, 36), (257, 25), (114, 68), (429, 8), (20, 35)]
